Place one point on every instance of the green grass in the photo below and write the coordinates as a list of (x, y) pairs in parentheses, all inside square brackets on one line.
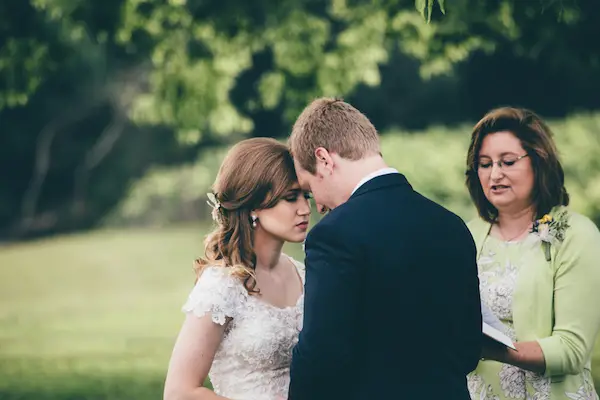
[(94, 316)]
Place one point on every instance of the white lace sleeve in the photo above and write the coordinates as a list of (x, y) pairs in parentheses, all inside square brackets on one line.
[(218, 293)]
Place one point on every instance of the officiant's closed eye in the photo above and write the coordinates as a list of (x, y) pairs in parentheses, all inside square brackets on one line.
[(504, 163)]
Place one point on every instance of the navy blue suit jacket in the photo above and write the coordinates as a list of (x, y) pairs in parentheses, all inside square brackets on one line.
[(392, 307)]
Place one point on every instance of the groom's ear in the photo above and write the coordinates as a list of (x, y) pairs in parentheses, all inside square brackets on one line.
[(324, 161)]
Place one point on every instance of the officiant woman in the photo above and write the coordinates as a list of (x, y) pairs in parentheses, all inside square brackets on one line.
[(538, 263)]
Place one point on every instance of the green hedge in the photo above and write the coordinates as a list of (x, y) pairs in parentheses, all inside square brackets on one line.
[(433, 161)]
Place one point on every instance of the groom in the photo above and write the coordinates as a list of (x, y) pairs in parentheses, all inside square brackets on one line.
[(392, 307)]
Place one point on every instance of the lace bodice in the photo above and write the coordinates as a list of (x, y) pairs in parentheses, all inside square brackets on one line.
[(253, 360)]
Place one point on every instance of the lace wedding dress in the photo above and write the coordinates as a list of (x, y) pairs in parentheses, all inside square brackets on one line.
[(253, 360)]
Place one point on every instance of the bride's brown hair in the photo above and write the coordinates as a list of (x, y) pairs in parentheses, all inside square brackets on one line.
[(255, 174)]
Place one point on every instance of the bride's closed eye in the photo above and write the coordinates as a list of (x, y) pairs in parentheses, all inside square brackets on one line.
[(294, 196)]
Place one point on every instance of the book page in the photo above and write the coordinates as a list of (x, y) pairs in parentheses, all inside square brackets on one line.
[(494, 328), (498, 336), (490, 318)]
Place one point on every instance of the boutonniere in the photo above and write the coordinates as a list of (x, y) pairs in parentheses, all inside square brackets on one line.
[(551, 230)]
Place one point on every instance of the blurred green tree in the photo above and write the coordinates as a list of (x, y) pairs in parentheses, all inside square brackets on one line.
[(84, 85)]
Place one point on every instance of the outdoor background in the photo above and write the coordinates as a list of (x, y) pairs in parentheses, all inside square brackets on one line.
[(115, 115)]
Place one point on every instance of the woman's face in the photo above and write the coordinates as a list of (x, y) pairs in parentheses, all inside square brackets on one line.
[(508, 186), (288, 219)]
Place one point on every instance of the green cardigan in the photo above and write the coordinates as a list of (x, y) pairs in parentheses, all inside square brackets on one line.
[(557, 302)]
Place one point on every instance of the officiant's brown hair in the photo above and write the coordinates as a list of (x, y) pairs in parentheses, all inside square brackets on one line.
[(255, 174), (336, 126), (536, 139)]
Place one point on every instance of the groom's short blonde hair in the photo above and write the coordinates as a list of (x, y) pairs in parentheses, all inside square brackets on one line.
[(336, 126)]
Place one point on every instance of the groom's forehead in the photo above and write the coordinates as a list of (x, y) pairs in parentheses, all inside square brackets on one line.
[(303, 180)]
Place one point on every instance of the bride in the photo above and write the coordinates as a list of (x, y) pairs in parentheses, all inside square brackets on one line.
[(245, 312)]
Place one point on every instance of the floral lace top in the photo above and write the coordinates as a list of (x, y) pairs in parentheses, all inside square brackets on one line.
[(499, 264), (253, 360)]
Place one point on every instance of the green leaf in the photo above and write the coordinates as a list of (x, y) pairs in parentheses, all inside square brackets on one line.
[(429, 9), (420, 6), (441, 3)]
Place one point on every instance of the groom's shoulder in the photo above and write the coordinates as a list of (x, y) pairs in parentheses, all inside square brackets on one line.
[(430, 212), (336, 223), (331, 220)]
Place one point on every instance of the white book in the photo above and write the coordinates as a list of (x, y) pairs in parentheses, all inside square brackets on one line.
[(494, 328), (498, 336)]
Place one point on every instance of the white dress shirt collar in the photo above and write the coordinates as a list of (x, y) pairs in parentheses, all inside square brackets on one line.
[(379, 172)]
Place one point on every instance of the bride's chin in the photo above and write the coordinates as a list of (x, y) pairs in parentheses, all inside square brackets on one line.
[(296, 239)]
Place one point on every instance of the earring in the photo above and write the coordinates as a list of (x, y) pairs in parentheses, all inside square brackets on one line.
[(254, 219)]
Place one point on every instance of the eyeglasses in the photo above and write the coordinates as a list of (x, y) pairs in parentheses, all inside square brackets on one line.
[(504, 163)]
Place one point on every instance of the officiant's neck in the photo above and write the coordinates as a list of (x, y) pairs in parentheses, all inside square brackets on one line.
[(516, 217), (267, 249)]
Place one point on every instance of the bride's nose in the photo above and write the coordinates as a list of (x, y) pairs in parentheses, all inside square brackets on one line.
[(304, 208)]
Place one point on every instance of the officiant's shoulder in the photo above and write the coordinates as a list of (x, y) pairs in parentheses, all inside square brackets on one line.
[(580, 228), (476, 223)]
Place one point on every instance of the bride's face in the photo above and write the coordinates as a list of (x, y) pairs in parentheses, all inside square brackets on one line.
[(289, 219)]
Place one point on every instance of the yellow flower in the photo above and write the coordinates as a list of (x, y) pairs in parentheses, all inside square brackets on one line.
[(546, 218)]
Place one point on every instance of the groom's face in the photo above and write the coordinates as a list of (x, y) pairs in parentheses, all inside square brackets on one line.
[(316, 185)]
